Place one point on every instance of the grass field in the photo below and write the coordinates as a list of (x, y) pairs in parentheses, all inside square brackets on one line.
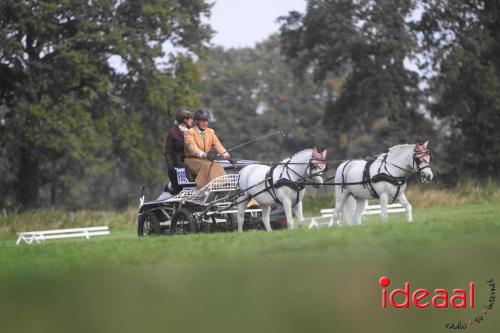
[(323, 280)]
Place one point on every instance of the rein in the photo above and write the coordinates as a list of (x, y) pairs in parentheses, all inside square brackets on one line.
[(302, 181)]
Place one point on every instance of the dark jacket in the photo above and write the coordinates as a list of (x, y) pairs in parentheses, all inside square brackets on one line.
[(174, 148)]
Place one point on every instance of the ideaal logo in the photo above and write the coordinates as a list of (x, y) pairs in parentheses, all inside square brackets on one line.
[(419, 298), (459, 298)]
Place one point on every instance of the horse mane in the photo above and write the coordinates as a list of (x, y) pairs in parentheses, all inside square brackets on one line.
[(297, 153), (301, 152), (401, 147)]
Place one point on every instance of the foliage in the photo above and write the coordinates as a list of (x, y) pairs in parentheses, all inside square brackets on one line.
[(376, 47), (462, 40), (68, 115), (88, 91), (368, 43), (252, 92)]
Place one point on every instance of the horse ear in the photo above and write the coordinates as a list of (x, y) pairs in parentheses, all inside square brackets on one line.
[(425, 144), (323, 154)]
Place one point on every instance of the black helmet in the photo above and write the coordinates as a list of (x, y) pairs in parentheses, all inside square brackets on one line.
[(182, 113), (201, 114)]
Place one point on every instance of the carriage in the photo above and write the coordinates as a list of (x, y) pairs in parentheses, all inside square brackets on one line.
[(213, 207), (209, 209)]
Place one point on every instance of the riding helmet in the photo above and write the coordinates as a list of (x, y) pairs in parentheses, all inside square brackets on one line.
[(182, 113), (201, 114)]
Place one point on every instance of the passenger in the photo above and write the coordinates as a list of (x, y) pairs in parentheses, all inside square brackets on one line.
[(199, 140), (174, 145)]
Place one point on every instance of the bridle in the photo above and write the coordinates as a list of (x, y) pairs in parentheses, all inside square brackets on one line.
[(297, 185), (313, 163), (317, 163), (419, 157)]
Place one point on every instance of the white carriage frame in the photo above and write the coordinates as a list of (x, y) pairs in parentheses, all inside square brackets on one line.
[(190, 195)]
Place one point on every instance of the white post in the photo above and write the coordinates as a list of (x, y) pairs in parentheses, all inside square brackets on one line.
[(330, 224), (313, 223), (39, 238)]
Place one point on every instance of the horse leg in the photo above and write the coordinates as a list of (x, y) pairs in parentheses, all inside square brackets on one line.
[(266, 211), (360, 207), (383, 207), (241, 214), (406, 204), (340, 198), (287, 206), (298, 213)]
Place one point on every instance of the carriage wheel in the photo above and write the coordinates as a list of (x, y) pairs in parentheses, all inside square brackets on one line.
[(148, 225), (183, 222)]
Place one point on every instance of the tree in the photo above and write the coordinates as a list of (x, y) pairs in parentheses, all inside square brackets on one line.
[(462, 40), (64, 109), (367, 43), (252, 92)]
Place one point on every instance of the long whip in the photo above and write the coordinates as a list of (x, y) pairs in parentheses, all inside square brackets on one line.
[(282, 132)]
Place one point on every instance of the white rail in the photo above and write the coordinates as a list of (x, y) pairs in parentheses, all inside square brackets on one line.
[(326, 217), (40, 236)]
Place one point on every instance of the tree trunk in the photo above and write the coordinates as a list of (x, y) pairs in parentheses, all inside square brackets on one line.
[(28, 181)]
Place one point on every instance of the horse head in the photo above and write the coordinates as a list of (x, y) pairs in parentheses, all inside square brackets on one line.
[(422, 161), (317, 166)]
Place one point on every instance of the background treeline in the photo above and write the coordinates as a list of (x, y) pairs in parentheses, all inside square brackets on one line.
[(87, 92)]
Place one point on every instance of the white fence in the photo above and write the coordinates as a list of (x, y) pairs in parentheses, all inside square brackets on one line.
[(326, 217), (40, 236)]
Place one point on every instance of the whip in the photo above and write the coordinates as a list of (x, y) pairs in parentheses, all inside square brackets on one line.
[(282, 132)]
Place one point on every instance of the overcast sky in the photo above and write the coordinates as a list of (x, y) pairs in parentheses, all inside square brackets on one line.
[(242, 23), (238, 23)]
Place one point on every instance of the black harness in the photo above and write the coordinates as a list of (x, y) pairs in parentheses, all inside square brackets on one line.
[(382, 177), (271, 185), (368, 181)]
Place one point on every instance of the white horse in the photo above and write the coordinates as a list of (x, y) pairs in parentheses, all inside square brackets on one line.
[(280, 184), (384, 177)]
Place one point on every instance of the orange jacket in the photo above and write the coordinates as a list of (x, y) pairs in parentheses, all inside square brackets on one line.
[(194, 145)]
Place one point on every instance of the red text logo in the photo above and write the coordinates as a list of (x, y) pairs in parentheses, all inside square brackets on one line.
[(423, 298)]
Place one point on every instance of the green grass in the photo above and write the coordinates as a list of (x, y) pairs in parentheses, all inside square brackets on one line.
[(322, 280)]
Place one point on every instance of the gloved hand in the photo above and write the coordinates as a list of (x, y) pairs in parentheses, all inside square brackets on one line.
[(211, 156)]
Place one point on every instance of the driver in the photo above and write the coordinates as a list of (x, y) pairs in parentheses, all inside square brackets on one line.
[(198, 141)]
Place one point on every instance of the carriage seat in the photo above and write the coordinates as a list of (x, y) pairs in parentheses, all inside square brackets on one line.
[(184, 177)]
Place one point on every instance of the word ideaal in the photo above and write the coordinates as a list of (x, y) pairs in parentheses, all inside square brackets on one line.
[(439, 300)]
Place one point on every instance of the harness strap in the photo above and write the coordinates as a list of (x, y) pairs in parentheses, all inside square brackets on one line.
[(297, 187), (396, 195), (396, 181), (384, 161), (271, 186), (343, 176), (367, 178)]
